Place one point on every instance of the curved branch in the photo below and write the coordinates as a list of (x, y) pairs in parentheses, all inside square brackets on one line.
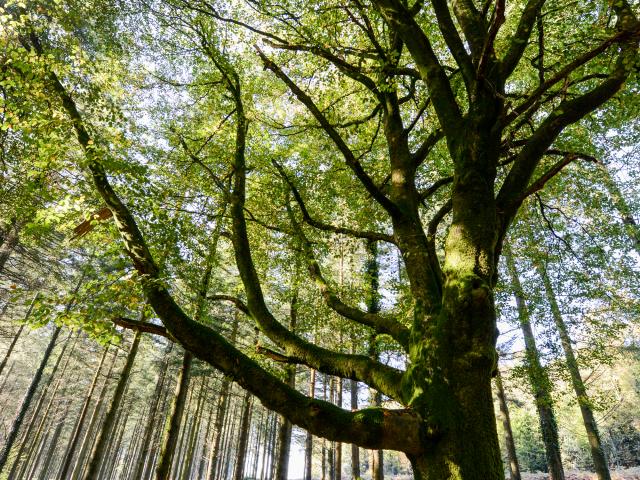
[(380, 323), (349, 157), (381, 377), (326, 226), (375, 428), (239, 304)]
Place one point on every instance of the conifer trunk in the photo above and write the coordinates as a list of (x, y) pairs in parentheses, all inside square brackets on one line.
[(514, 467), (539, 379), (172, 431), (147, 444), (238, 473), (26, 401), (597, 451), (78, 465), (308, 444), (9, 242), (15, 338), (355, 451), (75, 435), (104, 437)]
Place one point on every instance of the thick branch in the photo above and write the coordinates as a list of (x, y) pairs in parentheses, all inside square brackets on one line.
[(568, 112), (451, 36), (141, 326), (380, 376), (388, 429), (521, 38), (431, 71)]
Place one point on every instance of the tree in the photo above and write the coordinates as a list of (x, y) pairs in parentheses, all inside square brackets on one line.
[(461, 91)]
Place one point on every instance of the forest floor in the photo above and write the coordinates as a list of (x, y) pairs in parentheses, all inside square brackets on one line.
[(624, 474)]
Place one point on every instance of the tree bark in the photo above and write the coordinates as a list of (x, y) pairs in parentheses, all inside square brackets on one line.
[(597, 451), (284, 432), (514, 467), (238, 473), (12, 345), (147, 444), (308, 444), (355, 451), (9, 242), (170, 440), (104, 437), (78, 465), (75, 435), (540, 383), (26, 402)]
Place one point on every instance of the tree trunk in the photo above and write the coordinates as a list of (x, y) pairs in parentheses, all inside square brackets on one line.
[(78, 465), (5, 359), (75, 435), (284, 432), (373, 306), (597, 452), (514, 467), (221, 411), (151, 421), (195, 431), (26, 402), (539, 379), (308, 444), (355, 451), (29, 435), (170, 440), (104, 436), (238, 474)]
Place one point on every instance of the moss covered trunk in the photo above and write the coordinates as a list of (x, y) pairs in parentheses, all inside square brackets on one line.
[(452, 350)]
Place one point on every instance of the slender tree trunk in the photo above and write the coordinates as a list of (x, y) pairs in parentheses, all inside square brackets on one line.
[(539, 379), (355, 451), (597, 451), (151, 421), (221, 411), (26, 402), (78, 465), (29, 435), (284, 432), (120, 430), (97, 455), (207, 439), (373, 306), (5, 359), (238, 474), (308, 444), (195, 431), (514, 467), (172, 431), (51, 451), (338, 454), (75, 435)]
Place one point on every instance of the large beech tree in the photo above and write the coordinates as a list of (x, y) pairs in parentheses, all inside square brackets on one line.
[(484, 85)]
